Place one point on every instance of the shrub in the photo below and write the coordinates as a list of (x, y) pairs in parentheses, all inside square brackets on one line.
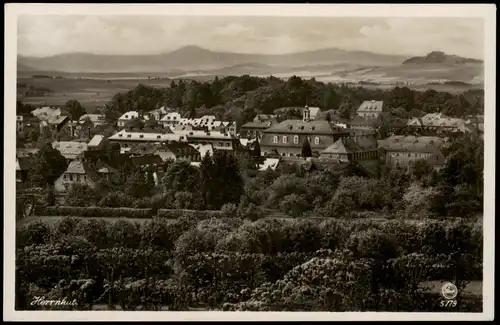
[(372, 243), (116, 200), (294, 205), (229, 210)]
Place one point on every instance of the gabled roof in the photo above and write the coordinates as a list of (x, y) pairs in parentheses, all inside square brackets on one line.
[(371, 106), (143, 149), (343, 146), (138, 136), (96, 140), (301, 127), (313, 111), (257, 125), (149, 160), (92, 117), (82, 168), (103, 168), (173, 116), (204, 149), (129, 115)]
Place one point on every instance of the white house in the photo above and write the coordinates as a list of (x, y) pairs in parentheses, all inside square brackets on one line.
[(171, 119), (128, 116)]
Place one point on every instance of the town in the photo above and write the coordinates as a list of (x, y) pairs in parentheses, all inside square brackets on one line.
[(266, 174)]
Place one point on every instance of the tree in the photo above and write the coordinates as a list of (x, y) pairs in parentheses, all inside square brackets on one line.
[(75, 109), (345, 107), (181, 177), (221, 181), (420, 169), (306, 148), (81, 195), (49, 164)]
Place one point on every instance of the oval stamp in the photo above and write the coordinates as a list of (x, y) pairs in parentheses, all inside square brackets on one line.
[(449, 291)]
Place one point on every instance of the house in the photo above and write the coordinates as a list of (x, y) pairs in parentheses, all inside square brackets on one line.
[(95, 119), (127, 117), (370, 108), (401, 150), (366, 123), (177, 151), (170, 119), (362, 150), (55, 123), (287, 138), (85, 169), (70, 149), (313, 112), (254, 130), (23, 167), (126, 139), (439, 122), (46, 113), (219, 140), (204, 149), (78, 172), (158, 114), (24, 122)]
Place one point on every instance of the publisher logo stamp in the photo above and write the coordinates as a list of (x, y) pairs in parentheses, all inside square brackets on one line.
[(449, 291)]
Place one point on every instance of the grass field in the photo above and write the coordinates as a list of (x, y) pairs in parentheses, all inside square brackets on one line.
[(91, 93)]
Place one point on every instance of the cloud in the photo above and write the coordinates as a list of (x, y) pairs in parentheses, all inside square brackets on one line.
[(231, 30), (49, 35)]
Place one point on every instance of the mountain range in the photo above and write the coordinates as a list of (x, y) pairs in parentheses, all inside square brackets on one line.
[(328, 64)]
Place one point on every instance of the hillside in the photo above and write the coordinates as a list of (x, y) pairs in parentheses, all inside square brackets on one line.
[(438, 57), (192, 58)]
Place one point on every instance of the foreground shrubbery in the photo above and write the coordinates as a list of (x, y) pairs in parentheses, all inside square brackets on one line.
[(236, 264)]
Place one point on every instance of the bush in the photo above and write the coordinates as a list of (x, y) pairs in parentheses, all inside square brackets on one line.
[(116, 200), (229, 210), (294, 205)]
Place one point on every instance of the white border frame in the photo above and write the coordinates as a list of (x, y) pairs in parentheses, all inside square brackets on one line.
[(487, 12)]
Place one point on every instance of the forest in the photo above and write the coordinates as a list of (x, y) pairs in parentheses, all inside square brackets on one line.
[(241, 98)]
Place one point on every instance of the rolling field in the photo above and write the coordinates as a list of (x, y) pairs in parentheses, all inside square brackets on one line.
[(91, 93)]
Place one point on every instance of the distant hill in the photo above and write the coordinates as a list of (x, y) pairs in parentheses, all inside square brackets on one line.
[(24, 67), (438, 57), (191, 58)]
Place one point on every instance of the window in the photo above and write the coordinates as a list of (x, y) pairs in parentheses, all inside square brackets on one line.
[(295, 139), (316, 140), (71, 177), (84, 177), (227, 144), (65, 176), (78, 178), (285, 139), (275, 139)]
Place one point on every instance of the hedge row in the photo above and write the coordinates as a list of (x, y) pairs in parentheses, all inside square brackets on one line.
[(195, 214), (98, 212), (103, 212)]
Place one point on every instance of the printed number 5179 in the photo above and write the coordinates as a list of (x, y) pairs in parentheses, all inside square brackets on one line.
[(448, 303)]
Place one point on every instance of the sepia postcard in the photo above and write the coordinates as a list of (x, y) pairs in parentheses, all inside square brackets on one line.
[(249, 162)]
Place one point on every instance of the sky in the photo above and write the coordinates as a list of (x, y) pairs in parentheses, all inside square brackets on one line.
[(51, 35)]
